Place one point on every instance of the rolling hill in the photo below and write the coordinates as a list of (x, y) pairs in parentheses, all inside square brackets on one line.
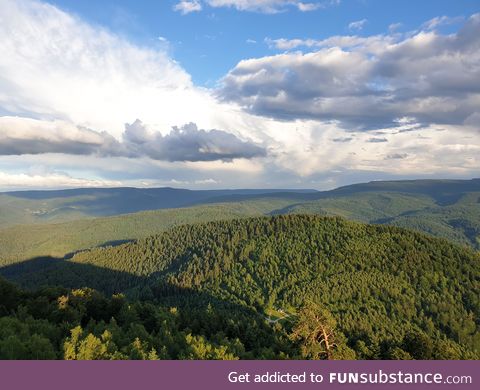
[(23, 242), (380, 283), (37, 207), (442, 208)]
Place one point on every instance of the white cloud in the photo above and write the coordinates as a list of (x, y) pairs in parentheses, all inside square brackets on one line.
[(54, 65), (9, 181), (373, 44), (76, 85), (365, 82), (357, 25), (30, 136), (19, 136), (206, 181), (307, 7), (438, 21), (186, 6), (394, 27), (262, 6)]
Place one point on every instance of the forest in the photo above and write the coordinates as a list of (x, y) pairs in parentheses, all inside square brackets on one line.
[(60, 223), (249, 288)]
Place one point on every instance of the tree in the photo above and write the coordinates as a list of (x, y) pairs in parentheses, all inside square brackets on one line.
[(70, 347), (314, 329), (40, 348), (418, 345), (92, 348)]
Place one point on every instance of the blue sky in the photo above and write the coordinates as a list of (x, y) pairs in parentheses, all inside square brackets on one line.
[(237, 93), (210, 42)]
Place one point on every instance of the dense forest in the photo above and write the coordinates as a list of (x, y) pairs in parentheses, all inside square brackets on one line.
[(60, 223), (18, 243), (247, 289)]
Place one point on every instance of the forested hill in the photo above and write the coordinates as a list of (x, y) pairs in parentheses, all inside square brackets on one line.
[(38, 207), (442, 208), (28, 207), (380, 283)]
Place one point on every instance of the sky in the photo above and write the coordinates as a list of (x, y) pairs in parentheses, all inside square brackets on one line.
[(237, 93)]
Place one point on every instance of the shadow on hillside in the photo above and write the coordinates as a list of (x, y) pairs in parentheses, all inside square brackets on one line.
[(41, 272), (106, 244), (50, 271), (53, 272)]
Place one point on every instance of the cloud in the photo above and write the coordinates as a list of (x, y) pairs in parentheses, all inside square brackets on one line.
[(307, 7), (188, 143), (9, 181), (20, 136), (396, 156), (394, 27), (29, 136), (54, 65), (438, 21), (373, 43), (357, 25), (261, 6), (206, 181), (186, 7), (288, 120), (365, 83)]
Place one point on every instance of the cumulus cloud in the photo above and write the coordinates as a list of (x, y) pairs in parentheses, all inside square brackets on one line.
[(54, 65), (430, 77), (20, 136), (306, 116), (188, 143)]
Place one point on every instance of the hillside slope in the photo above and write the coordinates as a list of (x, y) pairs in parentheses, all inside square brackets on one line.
[(24, 242), (448, 209), (458, 221), (56, 206), (379, 282)]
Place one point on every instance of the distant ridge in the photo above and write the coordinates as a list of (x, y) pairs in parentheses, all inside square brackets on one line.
[(443, 208)]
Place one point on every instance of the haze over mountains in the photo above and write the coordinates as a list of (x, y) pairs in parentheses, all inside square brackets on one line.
[(58, 205), (61, 205)]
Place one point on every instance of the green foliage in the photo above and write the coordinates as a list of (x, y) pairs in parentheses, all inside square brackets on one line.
[(59, 223), (459, 221), (68, 326), (393, 293), (19, 243), (315, 329)]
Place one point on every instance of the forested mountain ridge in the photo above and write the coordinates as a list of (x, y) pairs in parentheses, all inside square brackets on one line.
[(458, 221), (23, 242), (55, 206), (442, 208), (26, 207), (380, 283)]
